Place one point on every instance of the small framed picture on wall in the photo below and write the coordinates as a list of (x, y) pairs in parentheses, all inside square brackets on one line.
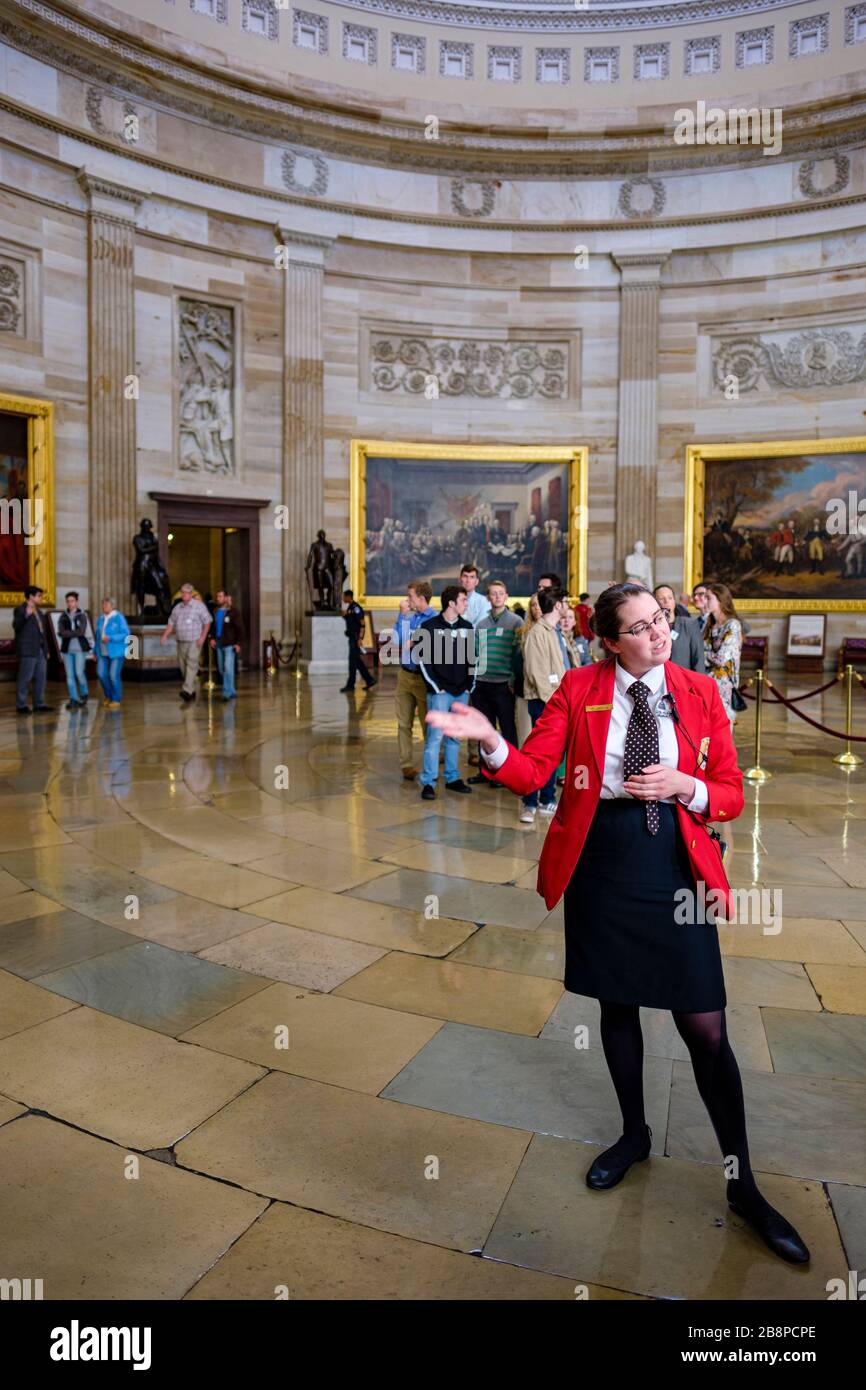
[(806, 634)]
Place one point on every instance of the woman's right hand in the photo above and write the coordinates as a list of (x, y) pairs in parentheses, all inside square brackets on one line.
[(462, 721)]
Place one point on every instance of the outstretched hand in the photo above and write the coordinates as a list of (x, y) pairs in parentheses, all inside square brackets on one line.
[(462, 721)]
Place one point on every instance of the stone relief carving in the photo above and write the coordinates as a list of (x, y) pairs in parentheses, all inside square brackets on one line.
[(12, 297), (483, 367), (806, 176), (553, 55), (812, 357), (612, 56), (458, 201), (414, 42), (646, 188), (662, 51), (93, 111), (319, 186), (206, 342), (803, 26), (746, 36), (368, 37), (267, 8), (450, 48), (508, 51)]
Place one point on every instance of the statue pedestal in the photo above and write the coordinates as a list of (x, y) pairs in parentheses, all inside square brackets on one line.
[(151, 661), (324, 650)]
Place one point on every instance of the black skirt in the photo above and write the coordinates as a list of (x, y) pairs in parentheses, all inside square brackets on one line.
[(623, 941)]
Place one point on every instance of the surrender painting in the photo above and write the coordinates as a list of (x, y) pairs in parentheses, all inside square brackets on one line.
[(423, 517), (784, 526)]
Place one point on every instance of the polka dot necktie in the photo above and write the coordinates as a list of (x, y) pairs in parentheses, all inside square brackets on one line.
[(642, 746)]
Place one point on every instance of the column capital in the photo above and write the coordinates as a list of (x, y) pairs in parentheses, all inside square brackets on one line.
[(304, 247), (640, 267), (109, 199)]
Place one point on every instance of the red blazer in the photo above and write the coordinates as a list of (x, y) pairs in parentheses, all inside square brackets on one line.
[(577, 718)]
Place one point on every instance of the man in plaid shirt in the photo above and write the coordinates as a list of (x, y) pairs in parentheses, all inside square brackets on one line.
[(190, 622)]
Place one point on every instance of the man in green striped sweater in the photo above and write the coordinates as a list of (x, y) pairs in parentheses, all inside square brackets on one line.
[(497, 638)]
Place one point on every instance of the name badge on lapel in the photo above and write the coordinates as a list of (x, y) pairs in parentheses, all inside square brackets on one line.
[(703, 751), (592, 709)]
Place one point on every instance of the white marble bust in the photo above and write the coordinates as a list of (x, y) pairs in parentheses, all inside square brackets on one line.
[(639, 566)]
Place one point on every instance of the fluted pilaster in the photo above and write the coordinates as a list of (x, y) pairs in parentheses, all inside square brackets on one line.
[(303, 414), (637, 435), (112, 480)]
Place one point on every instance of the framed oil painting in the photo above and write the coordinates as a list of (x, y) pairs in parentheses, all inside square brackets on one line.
[(26, 489), (783, 523), (422, 511)]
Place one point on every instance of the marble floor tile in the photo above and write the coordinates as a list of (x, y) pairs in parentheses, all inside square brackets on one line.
[(205, 831), (824, 1044), (507, 948), (459, 863), (841, 988), (36, 945), (22, 1004), (781, 983), (26, 904), (298, 957), (343, 839), (28, 832), (362, 1159), (67, 1210), (850, 867), (190, 924), (125, 1083), (660, 1036), (443, 829), (129, 845), (153, 986), (803, 1126), (321, 1258), (10, 1110), (83, 882), (377, 924), (506, 1079), (461, 993), (84, 812), (226, 885), (800, 939), (340, 1041), (315, 868), (665, 1231), (9, 885), (460, 898), (849, 1208)]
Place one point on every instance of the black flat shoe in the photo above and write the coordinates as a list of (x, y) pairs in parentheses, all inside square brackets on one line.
[(428, 793), (609, 1168), (777, 1233), (458, 786), (477, 780)]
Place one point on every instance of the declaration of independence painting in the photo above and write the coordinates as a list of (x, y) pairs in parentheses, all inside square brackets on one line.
[(780, 523), (422, 511)]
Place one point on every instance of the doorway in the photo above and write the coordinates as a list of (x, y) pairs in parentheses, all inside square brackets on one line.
[(212, 558), (214, 544)]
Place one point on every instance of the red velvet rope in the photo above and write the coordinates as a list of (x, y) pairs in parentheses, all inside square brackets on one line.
[(834, 733), (795, 699)]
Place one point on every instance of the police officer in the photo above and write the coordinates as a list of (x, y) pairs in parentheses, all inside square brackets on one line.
[(354, 619)]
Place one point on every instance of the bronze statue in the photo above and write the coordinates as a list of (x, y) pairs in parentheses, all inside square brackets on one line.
[(319, 570), (148, 573), (338, 575)]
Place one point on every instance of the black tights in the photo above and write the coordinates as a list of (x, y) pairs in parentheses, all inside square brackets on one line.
[(716, 1074)]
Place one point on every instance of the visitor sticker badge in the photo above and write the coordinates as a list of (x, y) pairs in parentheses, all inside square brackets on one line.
[(703, 751)]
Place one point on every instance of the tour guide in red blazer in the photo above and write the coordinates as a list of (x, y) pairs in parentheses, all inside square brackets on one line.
[(576, 718), (649, 761)]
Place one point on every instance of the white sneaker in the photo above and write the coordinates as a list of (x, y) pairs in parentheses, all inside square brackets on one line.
[(547, 808), (527, 815)]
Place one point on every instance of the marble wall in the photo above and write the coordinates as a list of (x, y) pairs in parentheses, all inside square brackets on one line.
[(374, 254)]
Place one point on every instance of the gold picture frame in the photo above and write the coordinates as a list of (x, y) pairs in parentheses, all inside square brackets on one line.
[(698, 566), (40, 488), (574, 457)]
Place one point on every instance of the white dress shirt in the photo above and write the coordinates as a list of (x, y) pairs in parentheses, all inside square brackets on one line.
[(477, 607), (623, 705)]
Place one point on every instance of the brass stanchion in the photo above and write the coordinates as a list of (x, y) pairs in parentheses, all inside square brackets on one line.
[(758, 773), (210, 684), (297, 671), (848, 759)]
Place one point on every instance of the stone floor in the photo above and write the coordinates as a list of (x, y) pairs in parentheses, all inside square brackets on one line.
[(269, 1023)]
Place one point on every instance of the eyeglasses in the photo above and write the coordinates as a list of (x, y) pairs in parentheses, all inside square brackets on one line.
[(659, 620)]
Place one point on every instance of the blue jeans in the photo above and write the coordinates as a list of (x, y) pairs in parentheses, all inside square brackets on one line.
[(226, 657), (76, 680), (433, 738), (548, 791), (108, 669)]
